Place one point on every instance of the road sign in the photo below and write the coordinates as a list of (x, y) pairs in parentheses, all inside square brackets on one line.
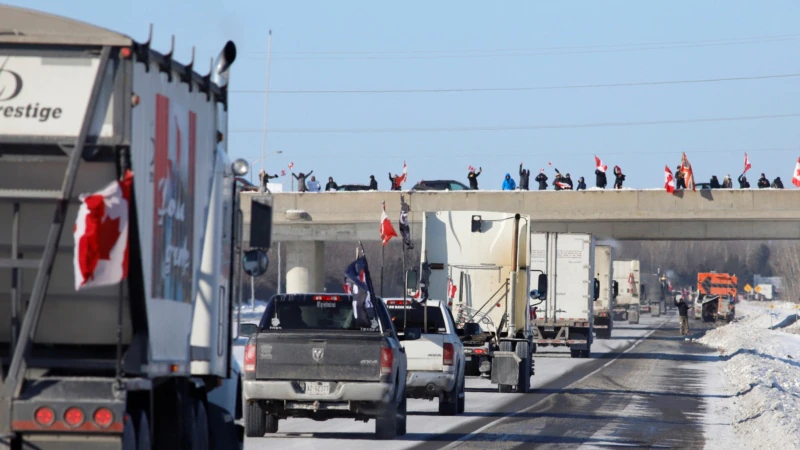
[(748, 288), (758, 289)]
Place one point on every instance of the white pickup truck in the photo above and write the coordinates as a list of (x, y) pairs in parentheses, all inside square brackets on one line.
[(435, 354)]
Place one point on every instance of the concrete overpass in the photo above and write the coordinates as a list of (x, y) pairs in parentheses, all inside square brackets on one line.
[(304, 221)]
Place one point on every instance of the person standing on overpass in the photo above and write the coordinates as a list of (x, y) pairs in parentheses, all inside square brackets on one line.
[(683, 312), (542, 180), (524, 177), (472, 176), (508, 183)]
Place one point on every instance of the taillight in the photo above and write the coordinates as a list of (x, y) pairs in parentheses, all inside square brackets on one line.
[(479, 351), (44, 416), (326, 298), (448, 355), (74, 417), (387, 360), (250, 358), (103, 417)]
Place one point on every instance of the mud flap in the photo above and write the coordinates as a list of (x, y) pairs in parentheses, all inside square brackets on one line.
[(633, 317), (505, 368)]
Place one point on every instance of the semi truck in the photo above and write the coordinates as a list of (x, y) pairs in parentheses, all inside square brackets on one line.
[(627, 276), (478, 261), (603, 307), (567, 317), (653, 292), (114, 171)]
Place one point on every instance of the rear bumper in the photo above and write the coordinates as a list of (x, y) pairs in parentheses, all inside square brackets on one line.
[(341, 392), (69, 442), (429, 384)]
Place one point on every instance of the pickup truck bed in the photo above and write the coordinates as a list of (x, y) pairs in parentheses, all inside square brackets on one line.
[(311, 357)]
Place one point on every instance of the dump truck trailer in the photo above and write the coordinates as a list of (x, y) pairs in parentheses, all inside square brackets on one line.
[(717, 293), (478, 261), (603, 307), (567, 317), (626, 304), (114, 171)]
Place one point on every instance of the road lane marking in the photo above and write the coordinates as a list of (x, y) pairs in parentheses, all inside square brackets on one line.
[(529, 408)]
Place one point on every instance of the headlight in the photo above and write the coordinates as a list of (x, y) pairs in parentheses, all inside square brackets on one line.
[(240, 167)]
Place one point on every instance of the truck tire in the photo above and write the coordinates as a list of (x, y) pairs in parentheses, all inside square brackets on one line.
[(128, 434), (272, 423), (200, 439), (462, 397), (402, 413), (448, 403), (255, 420), (603, 334), (505, 346), (386, 423), (143, 433), (523, 352), (574, 353)]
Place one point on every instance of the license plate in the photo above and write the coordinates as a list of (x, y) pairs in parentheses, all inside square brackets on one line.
[(469, 358), (317, 388), (549, 329)]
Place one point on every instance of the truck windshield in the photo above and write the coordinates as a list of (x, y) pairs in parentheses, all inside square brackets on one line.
[(313, 312), (415, 314)]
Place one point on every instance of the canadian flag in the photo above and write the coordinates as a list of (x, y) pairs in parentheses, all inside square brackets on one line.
[(747, 165), (630, 280), (599, 163), (387, 230), (101, 236), (291, 165), (796, 177), (471, 168), (669, 184), (283, 173), (398, 181), (451, 288), (563, 185)]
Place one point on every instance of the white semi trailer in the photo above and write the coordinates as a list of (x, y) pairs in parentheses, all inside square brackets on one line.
[(566, 317), (144, 362), (484, 256), (627, 276), (603, 307)]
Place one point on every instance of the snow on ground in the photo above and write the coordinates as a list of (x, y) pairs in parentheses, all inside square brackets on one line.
[(762, 370)]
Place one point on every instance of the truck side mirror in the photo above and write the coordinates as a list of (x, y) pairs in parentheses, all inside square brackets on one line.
[(616, 288), (261, 223), (596, 289), (542, 286), (412, 279), (255, 262)]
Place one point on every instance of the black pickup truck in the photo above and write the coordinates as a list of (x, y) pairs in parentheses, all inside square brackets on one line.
[(312, 357)]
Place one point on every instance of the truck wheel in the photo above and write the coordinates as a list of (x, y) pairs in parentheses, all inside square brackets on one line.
[(128, 434), (200, 437), (143, 433), (272, 423), (401, 416), (255, 420), (524, 379), (462, 397), (448, 403), (586, 353), (574, 353), (386, 423)]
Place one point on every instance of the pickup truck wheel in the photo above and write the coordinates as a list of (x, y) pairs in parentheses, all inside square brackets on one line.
[(386, 423), (401, 417), (272, 423), (255, 420), (448, 403), (462, 397)]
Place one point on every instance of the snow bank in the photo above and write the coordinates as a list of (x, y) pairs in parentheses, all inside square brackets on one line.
[(762, 367)]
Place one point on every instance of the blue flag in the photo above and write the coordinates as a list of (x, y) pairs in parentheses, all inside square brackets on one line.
[(357, 276)]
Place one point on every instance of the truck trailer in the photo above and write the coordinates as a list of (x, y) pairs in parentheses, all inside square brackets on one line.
[(603, 307), (717, 294), (567, 317), (478, 260), (626, 304), (114, 171)]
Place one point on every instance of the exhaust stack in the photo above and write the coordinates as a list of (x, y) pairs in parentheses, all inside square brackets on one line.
[(223, 63)]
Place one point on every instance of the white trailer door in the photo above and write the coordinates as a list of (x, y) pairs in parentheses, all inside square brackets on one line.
[(574, 276)]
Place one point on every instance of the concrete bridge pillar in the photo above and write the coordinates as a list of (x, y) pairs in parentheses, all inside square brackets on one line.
[(305, 266)]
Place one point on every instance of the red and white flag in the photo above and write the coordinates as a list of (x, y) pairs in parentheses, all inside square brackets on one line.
[(291, 165), (599, 164), (688, 174), (747, 165), (471, 168), (630, 281), (101, 236), (400, 179), (562, 185), (387, 230), (796, 177), (283, 173), (669, 181), (451, 289)]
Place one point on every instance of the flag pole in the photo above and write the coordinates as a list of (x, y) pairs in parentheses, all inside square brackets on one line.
[(266, 101), (405, 290), (383, 249)]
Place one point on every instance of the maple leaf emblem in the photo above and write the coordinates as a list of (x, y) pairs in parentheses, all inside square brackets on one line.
[(99, 238)]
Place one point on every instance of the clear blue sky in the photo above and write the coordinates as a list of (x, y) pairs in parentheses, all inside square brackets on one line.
[(588, 36)]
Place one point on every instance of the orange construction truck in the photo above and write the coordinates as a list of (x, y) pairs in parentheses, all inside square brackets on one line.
[(716, 292)]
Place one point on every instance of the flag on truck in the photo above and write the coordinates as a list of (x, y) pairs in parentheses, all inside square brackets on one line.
[(360, 286), (424, 281), (599, 163), (405, 229), (101, 235), (669, 184), (387, 230), (688, 175), (451, 289)]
